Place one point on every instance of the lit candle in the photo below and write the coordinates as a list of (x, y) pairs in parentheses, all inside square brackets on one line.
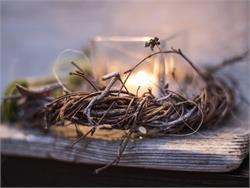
[(152, 79), (141, 79)]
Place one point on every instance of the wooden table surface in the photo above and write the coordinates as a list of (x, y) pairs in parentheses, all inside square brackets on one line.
[(33, 158), (212, 150)]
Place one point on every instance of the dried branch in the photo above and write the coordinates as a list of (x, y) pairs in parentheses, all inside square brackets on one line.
[(145, 115)]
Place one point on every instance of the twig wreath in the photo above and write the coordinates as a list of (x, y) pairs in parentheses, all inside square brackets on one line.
[(145, 115)]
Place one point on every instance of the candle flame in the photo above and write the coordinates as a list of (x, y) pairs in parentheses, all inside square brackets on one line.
[(141, 78)]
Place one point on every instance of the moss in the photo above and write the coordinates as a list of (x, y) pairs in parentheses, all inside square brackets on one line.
[(9, 106)]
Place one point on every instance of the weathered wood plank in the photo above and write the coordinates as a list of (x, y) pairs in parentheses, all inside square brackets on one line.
[(218, 153)]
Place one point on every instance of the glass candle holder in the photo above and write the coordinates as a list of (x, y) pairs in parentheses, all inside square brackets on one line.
[(119, 54)]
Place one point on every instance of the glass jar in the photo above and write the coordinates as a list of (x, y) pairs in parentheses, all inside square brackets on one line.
[(120, 53)]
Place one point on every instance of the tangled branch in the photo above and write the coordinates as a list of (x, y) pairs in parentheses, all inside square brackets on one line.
[(146, 115)]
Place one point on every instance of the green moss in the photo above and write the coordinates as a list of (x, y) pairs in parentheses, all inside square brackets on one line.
[(9, 106)]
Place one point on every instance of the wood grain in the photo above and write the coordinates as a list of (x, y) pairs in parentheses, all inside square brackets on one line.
[(198, 152)]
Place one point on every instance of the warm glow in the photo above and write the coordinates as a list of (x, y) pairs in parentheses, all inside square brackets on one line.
[(142, 79), (147, 80), (170, 65)]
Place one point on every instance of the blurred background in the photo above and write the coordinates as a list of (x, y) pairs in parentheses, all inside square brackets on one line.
[(35, 32)]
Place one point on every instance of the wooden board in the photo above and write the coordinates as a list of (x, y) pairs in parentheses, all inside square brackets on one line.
[(208, 151)]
